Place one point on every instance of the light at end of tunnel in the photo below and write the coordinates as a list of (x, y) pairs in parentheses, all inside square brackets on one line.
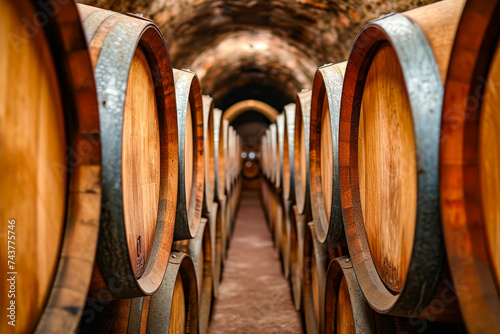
[(251, 155), (243, 155)]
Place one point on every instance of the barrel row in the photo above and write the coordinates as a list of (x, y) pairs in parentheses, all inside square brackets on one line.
[(378, 184), (109, 155)]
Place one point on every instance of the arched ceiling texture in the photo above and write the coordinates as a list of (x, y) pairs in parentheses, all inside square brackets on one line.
[(266, 50)]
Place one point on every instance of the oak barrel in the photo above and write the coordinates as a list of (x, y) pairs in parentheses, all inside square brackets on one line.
[(280, 136), (388, 159), (191, 154), (470, 165), (297, 228), (288, 149), (215, 220), (209, 154), (273, 152), (220, 141), (139, 148), (174, 307), (346, 309), (200, 250), (50, 156), (323, 152), (314, 271), (301, 152)]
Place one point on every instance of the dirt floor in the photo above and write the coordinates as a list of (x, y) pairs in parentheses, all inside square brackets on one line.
[(254, 297)]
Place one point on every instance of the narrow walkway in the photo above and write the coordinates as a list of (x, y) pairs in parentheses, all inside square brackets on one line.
[(253, 297)]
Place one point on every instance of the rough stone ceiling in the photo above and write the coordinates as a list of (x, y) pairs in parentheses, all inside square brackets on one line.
[(233, 44)]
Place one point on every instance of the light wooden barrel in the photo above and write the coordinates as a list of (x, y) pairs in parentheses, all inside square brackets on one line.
[(200, 250), (174, 307), (346, 309), (215, 220), (220, 140), (280, 136), (388, 159), (288, 149), (191, 154), (50, 188), (136, 96), (297, 228), (230, 152), (323, 153), (209, 154), (314, 270), (301, 152), (470, 165)]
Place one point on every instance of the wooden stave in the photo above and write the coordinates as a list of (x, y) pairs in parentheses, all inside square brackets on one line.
[(188, 90), (297, 230), (161, 302), (477, 292), (113, 253), (423, 273), (280, 137), (315, 256), (288, 148), (273, 152), (302, 118), (327, 81), (364, 321), (67, 46), (209, 153)]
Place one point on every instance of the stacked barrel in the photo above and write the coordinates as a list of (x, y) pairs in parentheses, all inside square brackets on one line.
[(111, 189), (379, 183)]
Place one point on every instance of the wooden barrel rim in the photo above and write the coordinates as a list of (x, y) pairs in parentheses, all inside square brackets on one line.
[(338, 268), (314, 263), (302, 117), (418, 66), (288, 145), (463, 219), (83, 195), (188, 215), (328, 82), (297, 223), (208, 131), (161, 302), (114, 62), (273, 153)]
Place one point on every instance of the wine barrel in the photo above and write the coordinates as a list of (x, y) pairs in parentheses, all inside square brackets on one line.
[(315, 266), (301, 152), (267, 163), (470, 166), (219, 184), (285, 237), (288, 149), (209, 154), (139, 149), (323, 153), (280, 136), (230, 166), (346, 309), (200, 250), (251, 170), (215, 220), (272, 153), (191, 154), (50, 188), (388, 159), (174, 307), (297, 228)]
